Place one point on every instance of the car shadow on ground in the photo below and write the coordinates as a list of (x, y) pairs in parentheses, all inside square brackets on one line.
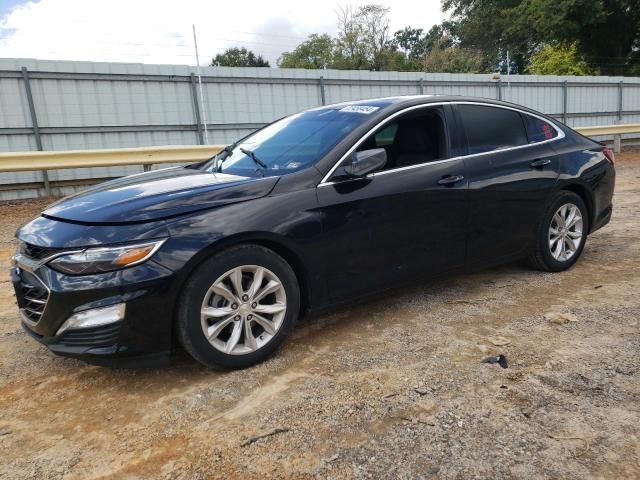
[(323, 330)]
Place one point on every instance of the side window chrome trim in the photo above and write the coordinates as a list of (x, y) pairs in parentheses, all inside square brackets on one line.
[(325, 180)]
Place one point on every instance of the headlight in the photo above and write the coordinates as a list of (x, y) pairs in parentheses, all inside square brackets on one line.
[(105, 259)]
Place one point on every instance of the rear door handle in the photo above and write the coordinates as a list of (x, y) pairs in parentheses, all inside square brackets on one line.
[(450, 179), (541, 162)]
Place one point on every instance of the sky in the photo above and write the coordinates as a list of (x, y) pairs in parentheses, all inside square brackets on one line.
[(159, 31)]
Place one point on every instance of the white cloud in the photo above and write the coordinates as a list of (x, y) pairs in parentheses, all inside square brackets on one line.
[(160, 31)]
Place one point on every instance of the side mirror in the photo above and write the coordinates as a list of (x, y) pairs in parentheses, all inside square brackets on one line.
[(365, 162)]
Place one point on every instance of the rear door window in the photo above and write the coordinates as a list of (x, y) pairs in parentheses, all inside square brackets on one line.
[(492, 128)]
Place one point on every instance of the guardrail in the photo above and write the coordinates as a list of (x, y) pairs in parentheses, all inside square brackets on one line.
[(616, 130), (609, 129), (147, 156)]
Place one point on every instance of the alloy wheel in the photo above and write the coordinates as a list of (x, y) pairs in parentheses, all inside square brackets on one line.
[(565, 232), (243, 309)]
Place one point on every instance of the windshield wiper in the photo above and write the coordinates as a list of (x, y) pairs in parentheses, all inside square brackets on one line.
[(227, 151), (253, 157)]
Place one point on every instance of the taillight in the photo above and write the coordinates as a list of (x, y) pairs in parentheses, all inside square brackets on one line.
[(609, 154)]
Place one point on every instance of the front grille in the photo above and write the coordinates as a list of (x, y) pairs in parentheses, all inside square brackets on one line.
[(32, 296), (36, 252), (100, 336)]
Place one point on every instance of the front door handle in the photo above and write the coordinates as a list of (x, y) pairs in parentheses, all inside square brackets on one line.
[(541, 162), (450, 179)]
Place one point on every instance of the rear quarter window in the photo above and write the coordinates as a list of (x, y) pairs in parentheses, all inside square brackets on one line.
[(492, 128), (537, 129)]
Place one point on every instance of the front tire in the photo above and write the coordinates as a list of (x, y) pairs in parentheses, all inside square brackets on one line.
[(238, 307), (561, 234)]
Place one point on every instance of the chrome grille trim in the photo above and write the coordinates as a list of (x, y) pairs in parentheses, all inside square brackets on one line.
[(33, 298)]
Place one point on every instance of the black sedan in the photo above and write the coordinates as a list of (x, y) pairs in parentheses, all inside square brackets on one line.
[(311, 211)]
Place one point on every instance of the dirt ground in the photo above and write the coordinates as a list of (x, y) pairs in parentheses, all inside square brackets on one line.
[(389, 389)]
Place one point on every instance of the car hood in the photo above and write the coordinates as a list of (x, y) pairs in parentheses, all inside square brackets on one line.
[(156, 195)]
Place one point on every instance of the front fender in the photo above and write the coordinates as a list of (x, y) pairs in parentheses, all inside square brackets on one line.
[(292, 235)]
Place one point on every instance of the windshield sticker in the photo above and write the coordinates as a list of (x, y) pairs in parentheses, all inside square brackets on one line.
[(366, 109)]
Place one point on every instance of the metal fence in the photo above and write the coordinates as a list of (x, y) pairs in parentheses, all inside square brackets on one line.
[(60, 105)]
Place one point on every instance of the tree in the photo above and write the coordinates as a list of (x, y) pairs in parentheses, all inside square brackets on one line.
[(374, 20), (446, 58), (486, 26), (238, 57), (415, 45), (606, 32), (559, 59), (351, 49), (362, 43), (317, 51), (394, 60), (411, 43), (363, 38)]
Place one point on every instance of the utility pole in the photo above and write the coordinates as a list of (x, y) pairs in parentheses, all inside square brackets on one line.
[(204, 110)]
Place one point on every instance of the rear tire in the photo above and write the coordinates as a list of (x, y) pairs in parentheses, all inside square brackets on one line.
[(561, 234), (238, 307)]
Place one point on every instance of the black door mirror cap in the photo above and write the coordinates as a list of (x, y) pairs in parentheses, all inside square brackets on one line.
[(365, 162)]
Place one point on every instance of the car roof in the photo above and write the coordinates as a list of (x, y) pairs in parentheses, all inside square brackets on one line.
[(379, 102), (402, 101)]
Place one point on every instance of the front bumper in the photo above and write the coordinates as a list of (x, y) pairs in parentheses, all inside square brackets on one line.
[(47, 298)]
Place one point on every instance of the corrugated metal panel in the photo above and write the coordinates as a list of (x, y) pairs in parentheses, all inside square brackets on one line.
[(256, 103), (589, 121), (14, 111), (631, 98), (154, 105), (547, 99), (585, 99)]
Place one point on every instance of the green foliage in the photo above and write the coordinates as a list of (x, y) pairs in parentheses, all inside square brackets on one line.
[(317, 51), (560, 59), (452, 59), (410, 41), (606, 33), (487, 26), (362, 44), (543, 36), (396, 61), (238, 57), (414, 44), (363, 35)]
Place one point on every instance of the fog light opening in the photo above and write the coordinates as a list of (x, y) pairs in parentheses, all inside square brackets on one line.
[(93, 318)]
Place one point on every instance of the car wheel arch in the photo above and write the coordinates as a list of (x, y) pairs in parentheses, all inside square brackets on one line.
[(296, 264), (262, 239), (584, 193)]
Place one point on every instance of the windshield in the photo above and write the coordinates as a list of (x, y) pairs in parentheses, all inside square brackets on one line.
[(289, 144)]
